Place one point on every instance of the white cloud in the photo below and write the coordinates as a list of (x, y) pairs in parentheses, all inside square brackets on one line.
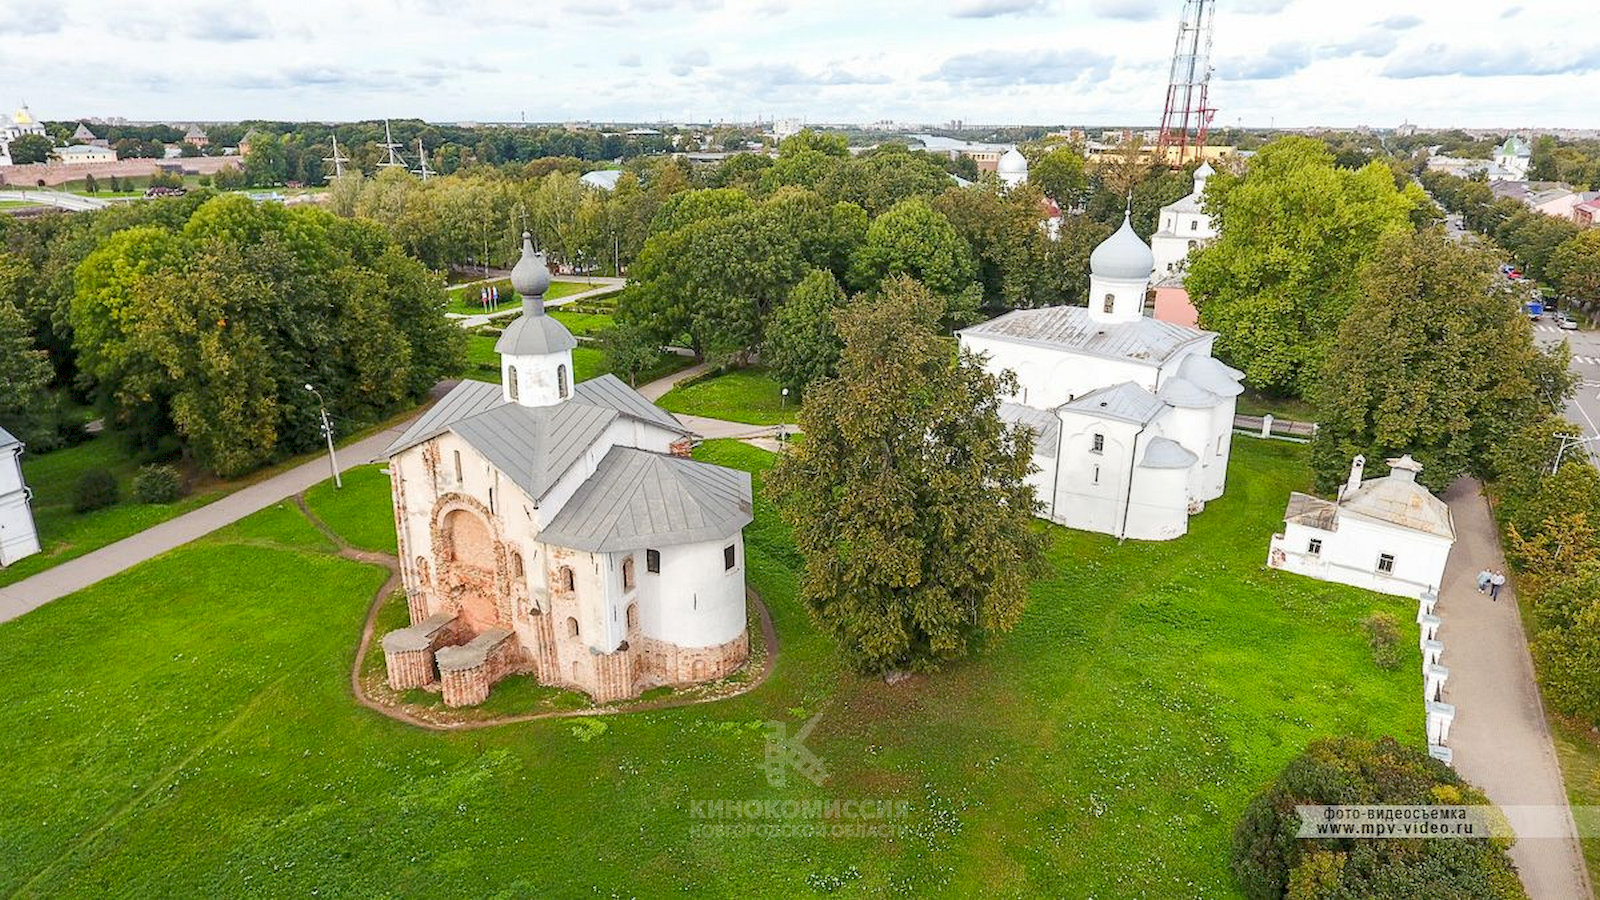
[(988, 9)]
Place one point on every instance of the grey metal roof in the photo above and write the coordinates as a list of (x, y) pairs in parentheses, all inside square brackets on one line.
[(534, 334), (1046, 427), (534, 445), (1312, 512), (530, 277), (465, 399), (1126, 401), (1211, 375), (1396, 498), (7, 439), (638, 499), (1185, 393), (1123, 255), (1165, 453), (604, 179), (611, 392), (1143, 340)]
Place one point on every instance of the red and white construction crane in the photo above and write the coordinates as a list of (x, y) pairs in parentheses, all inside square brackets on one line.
[(1188, 115)]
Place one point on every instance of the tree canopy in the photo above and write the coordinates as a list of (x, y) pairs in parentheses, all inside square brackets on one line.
[(1295, 233), (909, 497)]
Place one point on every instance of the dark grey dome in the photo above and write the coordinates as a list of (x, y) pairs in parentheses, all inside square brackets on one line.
[(534, 334), (531, 276), (1123, 255)]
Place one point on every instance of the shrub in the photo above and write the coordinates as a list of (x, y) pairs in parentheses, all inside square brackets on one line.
[(96, 489), (1383, 635), (156, 484), (1269, 861)]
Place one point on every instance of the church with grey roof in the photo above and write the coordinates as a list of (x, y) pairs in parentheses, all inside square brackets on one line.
[(1132, 417), (560, 530)]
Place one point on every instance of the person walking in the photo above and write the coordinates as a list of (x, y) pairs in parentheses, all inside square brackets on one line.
[(1484, 577), (1497, 580)]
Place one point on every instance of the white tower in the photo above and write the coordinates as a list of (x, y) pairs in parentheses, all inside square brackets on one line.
[(1012, 168), (1200, 175), (1119, 276), (536, 350)]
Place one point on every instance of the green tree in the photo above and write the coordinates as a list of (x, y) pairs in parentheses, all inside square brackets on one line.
[(1060, 175), (1533, 238), (802, 345), (630, 349), (914, 239), (1296, 231), (1566, 647), (267, 163), (24, 375), (909, 497), (1574, 267), (1268, 858), (1432, 362), (31, 148)]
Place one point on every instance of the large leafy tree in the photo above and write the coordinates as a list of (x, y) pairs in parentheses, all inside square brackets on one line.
[(31, 148), (1431, 361), (909, 497), (24, 374), (916, 240), (802, 345), (1575, 266), (1060, 175), (1296, 230)]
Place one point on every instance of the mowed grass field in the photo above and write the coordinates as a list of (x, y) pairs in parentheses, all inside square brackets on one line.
[(739, 395), (186, 729)]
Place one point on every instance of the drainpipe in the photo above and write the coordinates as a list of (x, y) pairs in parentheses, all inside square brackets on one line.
[(1055, 481), (1127, 501)]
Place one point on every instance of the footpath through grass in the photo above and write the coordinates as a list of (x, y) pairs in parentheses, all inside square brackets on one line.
[(186, 730), (740, 395), (466, 299), (588, 361)]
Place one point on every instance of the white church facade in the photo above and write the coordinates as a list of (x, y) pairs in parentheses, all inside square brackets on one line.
[(1387, 534), (560, 530), (1182, 226), (19, 537), (1132, 417)]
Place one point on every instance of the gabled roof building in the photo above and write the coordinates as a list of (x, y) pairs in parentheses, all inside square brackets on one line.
[(560, 530)]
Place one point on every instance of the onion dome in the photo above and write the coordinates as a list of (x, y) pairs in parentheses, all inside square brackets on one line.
[(531, 277), (1013, 163), (1124, 255)]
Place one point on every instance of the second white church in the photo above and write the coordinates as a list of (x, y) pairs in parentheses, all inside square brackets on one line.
[(1132, 417)]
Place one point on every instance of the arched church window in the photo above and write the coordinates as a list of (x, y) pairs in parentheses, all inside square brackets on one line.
[(627, 574), (1193, 244), (565, 579), (1111, 302), (511, 381), (1194, 224), (572, 627), (561, 380), (516, 564), (633, 615)]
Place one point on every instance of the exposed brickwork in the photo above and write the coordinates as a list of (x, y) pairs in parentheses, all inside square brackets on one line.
[(467, 672), (409, 653)]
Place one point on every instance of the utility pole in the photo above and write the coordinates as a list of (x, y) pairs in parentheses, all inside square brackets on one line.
[(395, 159), (327, 432), (1568, 441)]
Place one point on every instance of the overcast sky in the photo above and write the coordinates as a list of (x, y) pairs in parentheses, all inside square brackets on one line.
[(1284, 62)]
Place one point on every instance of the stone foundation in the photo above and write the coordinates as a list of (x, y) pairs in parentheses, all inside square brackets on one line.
[(664, 663), (409, 652), (466, 672)]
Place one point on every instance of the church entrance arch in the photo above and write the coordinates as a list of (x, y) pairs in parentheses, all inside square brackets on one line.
[(468, 549)]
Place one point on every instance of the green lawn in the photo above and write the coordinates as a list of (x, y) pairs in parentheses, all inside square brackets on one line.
[(186, 730), (465, 299), (348, 510), (582, 324), (741, 395), (1254, 403), (65, 534)]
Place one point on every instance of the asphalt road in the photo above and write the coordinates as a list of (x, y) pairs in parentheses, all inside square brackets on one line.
[(1583, 409)]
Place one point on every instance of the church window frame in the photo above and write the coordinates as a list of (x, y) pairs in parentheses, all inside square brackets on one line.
[(1098, 444), (566, 579), (1385, 564), (1314, 547), (511, 382), (1110, 303), (1194, 224), (517, 570), (633, 615), (652, 562), (730, 557), (562, 388), (456, 455), (572, 626)]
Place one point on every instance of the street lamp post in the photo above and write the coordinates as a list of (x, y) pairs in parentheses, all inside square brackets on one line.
[(327, 432)]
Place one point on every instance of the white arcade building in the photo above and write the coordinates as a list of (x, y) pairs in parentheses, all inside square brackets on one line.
[(1387, 534), (558, 530), (1133, 418), (1182, 226)]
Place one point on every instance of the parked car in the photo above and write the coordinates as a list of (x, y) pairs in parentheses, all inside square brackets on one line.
[(1566, 322)]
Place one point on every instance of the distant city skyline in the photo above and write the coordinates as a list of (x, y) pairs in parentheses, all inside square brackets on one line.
[(1288, 63)]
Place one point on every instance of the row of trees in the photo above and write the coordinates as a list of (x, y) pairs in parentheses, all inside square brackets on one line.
[(1548, 248), (202, 318)]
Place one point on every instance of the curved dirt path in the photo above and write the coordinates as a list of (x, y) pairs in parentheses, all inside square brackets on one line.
[(769, 636)]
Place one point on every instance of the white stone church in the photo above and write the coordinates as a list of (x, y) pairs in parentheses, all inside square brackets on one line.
[(1182, 226), (558, 529), (1132, 417)]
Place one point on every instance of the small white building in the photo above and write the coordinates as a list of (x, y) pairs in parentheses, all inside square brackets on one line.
[(1514, 157), (1012, 168), (1132, 417), (1387, 534), (18, 535), (1181, 227), (85, 154), (559, 530)]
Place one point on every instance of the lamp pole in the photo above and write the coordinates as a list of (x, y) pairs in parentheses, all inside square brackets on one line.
[(327, 432)]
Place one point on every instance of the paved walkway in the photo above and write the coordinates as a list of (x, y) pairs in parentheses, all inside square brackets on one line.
[(1500, 739), (77, 574), (602, 285)]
